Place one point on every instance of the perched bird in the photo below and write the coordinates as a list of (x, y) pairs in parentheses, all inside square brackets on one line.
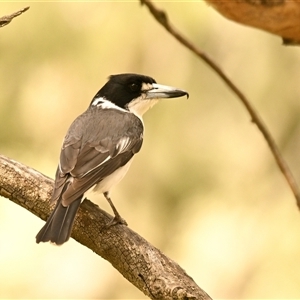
[(99, 146)]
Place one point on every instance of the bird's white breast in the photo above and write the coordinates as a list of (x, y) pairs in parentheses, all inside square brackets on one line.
[(108, 182)]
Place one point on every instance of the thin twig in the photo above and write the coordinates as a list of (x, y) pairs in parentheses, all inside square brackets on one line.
[(162, 18), (5, 20)]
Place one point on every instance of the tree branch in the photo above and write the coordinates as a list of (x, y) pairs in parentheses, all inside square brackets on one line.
[(156, 275), (162, 18), (5, 20)]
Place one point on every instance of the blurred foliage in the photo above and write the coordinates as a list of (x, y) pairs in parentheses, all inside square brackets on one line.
[(204, 189)]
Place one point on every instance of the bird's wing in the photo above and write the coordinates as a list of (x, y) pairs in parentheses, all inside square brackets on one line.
[(92, 150)]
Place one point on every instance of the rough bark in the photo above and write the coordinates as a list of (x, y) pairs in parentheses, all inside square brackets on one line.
[(280, 17), (156, 275)]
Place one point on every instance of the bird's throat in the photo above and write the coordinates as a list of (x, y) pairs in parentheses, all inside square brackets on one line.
[(139, 107)]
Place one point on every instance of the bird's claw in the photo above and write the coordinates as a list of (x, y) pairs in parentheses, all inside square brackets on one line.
[(115, 221)]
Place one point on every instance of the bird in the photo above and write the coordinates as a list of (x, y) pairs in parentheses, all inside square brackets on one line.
[(99, 147)]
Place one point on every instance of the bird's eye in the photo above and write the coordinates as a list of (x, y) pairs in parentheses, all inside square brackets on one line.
[(134, 87)]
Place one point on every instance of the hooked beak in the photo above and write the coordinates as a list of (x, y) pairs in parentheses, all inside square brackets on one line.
[(159, 91)]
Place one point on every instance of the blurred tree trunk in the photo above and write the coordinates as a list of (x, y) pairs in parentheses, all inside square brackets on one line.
[(280, 17)]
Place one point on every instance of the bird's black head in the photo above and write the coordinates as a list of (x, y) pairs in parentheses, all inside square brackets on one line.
[(123, 88), (135, 92)]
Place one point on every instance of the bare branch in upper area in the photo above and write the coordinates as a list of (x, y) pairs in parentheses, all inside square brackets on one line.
[(156, 275), (280, 17), (162, 18), (5, 20)]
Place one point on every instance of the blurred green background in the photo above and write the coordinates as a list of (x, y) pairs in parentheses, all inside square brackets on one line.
[(204, 189)]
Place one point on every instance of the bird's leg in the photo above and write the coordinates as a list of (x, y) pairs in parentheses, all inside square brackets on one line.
[(117, 219)]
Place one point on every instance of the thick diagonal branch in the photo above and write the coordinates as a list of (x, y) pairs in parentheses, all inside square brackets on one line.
[(156, 275)]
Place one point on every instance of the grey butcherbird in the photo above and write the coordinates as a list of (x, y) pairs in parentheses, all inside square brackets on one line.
[(99, 146)]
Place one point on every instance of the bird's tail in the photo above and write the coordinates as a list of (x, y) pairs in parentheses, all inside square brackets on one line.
[(59, 224)]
